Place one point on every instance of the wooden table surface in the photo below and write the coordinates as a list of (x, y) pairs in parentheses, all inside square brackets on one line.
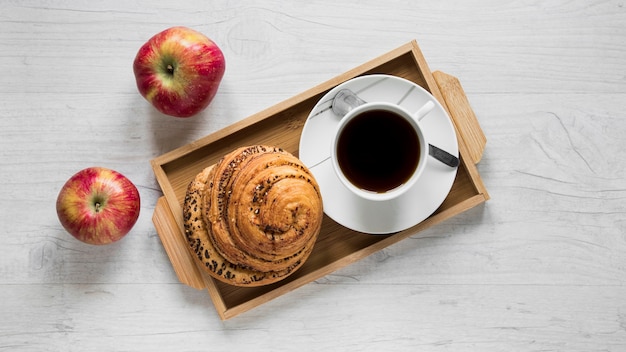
[(539, 267)]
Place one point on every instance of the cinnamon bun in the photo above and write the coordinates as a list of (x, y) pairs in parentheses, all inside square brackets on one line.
[(253, 218)]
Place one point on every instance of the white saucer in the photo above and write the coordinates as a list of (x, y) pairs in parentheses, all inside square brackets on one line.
[(379, 217)]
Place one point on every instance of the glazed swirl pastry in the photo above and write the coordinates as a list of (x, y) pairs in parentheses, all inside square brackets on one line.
[(254, 217)]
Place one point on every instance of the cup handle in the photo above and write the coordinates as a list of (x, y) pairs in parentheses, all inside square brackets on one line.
[(436, 152), (424, 110)]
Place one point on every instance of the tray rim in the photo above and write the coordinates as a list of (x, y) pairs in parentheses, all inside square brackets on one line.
[(170, 201)]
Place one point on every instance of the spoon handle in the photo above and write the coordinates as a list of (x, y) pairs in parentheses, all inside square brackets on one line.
[(344, 101), (443, 156)]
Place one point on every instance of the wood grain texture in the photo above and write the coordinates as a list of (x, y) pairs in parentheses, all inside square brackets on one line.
[(540, 267)]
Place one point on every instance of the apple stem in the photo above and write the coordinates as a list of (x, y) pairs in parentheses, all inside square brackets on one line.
[(170, 69), (98, 205)]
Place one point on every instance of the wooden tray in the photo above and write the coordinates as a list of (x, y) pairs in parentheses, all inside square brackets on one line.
[(281, 125)]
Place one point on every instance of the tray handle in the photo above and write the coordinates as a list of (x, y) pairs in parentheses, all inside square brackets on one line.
[(461, 112), (176, 246)]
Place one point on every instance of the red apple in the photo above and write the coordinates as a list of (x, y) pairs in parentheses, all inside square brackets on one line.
[(179, 71), (98, 205)]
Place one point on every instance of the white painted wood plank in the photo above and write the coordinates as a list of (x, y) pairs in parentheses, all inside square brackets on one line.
[(541, 266)]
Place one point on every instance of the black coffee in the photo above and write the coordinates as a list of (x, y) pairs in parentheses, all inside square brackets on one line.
[(378, 150)]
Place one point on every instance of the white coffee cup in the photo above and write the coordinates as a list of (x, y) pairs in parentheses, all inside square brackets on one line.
[(379, 149)]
